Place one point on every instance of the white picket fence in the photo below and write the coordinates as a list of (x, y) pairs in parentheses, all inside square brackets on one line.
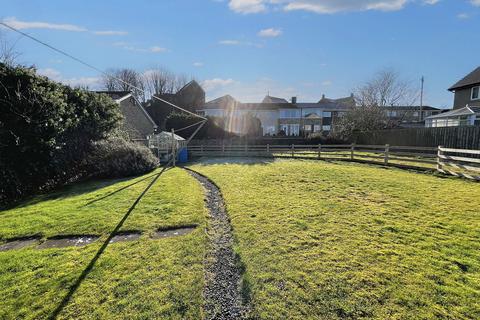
[(457, 162)]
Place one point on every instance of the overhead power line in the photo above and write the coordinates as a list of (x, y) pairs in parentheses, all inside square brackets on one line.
[(96, 69)]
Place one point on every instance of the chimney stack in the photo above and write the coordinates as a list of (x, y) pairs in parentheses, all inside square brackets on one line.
[(323, 96), (294, 100)]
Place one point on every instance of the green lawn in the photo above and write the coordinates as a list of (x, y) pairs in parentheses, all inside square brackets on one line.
[(319, 240), (326, 240), (142, 279)]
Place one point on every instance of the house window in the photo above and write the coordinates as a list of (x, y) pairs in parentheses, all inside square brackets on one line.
[(307, 128), (415, 114), (476, 93), (391, 114), (294, 129), (316, 128), (269, 130), (326, 128), (289, 113)]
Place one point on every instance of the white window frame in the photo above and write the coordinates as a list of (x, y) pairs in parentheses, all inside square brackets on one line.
[(295, 129), (478, 93)]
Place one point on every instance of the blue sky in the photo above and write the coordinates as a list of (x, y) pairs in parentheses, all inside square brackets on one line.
[(250, 47)]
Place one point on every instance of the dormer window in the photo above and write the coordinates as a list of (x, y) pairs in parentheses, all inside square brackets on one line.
[(476, 93)]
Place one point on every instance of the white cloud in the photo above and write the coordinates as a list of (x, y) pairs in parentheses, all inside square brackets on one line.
[(55, 75), (324, 6), (157, 49), (270, 33), (215, 83), (129, 47), (247, 6), (198, 64), (110, 33), (239, 43), (23, 25), (253, 91), (463, 16), (230, 42), (327, 83), (475, 3), (329, 6)]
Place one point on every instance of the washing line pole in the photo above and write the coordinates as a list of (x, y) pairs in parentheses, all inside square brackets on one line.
[(106, 74)]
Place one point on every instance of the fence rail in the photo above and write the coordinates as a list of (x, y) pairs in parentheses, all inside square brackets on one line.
[(457, 162)]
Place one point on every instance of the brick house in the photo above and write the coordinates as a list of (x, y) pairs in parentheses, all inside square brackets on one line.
[(189, 96), (137, 122), (279, 116)]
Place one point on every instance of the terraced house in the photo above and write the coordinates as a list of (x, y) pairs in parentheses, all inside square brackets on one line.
[(278, 116)]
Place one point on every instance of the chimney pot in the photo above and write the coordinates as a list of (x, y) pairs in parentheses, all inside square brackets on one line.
[(323, 96), (294, 100)]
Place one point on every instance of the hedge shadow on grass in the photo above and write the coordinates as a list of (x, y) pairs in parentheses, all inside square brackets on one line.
[(100, 251), (71, 191)]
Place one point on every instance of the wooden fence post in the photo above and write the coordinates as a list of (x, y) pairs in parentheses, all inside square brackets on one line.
[(223, 148), (268, 148), (293, 150), (319, 151), (174, 147), (352, 151), (246, 148), (439, 160), (201, 149), (387, 152)]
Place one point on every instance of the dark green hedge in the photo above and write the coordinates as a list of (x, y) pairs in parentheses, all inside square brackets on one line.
[(46, 131), (116, 157)]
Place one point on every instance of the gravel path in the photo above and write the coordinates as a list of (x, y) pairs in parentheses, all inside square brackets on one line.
[(222, 295)]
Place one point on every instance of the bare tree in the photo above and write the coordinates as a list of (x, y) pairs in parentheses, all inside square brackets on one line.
[(157, 81), (160, 81), (125, 80), (373, 98), (386, 88), (8, 54), (360, 119)]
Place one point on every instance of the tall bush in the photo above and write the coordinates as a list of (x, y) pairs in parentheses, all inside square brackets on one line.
[(116, 157), (46, 128)]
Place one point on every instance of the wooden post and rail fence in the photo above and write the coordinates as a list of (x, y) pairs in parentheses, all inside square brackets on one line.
[(457, 162)]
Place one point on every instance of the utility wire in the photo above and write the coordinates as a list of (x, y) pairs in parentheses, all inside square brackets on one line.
[(96, 69), (200, 123), (192, 125)]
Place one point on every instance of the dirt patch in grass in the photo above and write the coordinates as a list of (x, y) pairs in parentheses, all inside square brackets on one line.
[(126, 236), (173, 232), (19, 243), (223, 289), (68, 241)]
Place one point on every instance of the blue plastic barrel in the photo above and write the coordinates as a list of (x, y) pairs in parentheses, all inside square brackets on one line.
[(183, 155)]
